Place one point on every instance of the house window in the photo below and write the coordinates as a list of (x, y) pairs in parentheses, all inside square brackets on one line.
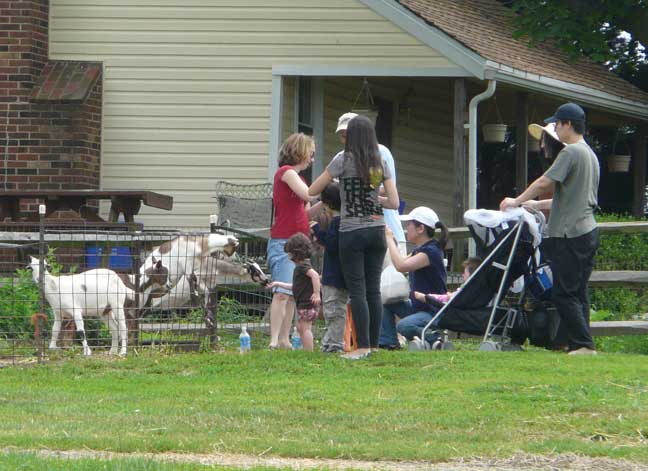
[(305, 106), (305, 115)]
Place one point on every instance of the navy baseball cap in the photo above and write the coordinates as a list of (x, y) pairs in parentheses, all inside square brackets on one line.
[(567, 112)]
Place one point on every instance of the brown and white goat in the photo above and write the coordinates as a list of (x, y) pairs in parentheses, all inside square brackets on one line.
[(185, 255)]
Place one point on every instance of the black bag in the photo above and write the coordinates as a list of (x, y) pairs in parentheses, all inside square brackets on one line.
[(545, 328)]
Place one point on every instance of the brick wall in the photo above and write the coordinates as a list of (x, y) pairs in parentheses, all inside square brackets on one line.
[(43, 145)]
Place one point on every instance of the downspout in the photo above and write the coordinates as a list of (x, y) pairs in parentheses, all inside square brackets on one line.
[(472, 141)]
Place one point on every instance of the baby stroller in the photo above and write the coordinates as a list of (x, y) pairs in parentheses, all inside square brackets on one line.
[(507, 242)]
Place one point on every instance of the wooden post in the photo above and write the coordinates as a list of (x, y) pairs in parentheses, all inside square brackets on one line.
[(639, 171), (522, 143), (460, 167)]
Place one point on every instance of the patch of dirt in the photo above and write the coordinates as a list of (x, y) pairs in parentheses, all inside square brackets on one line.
[(517, 462)]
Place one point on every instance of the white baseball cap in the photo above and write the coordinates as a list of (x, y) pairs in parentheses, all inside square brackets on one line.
[(421, 214), (343, 121)]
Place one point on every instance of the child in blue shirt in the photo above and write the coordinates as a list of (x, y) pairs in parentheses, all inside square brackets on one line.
[(335, 295)]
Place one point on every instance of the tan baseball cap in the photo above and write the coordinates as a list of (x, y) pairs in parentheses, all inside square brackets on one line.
[(343, 121)]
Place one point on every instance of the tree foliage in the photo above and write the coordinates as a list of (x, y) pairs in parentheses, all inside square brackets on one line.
[(613, 32)]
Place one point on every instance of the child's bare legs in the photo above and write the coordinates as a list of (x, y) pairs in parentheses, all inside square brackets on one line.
[(305, 332), (281, 312)]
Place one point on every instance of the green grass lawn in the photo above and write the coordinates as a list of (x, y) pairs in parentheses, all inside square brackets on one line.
[(396, 405), (32, 462)]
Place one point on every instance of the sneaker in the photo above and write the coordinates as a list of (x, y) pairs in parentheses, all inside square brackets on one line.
[(394, 346), (583, 351), (356, 355)]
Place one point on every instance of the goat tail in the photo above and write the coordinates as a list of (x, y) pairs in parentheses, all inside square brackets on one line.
[(36, 324)]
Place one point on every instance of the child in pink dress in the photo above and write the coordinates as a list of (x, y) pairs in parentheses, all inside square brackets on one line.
[(305, 287)]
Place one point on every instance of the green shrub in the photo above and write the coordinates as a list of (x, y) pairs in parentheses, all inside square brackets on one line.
[(620, 252), (18, 302)]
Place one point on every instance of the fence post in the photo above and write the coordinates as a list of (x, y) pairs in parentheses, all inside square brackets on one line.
[(210, 306), (41, 276)]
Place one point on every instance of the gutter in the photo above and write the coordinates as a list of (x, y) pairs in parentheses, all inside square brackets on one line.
[(472, 141)]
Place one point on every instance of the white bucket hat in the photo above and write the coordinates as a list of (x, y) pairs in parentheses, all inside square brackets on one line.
[(421, 214)]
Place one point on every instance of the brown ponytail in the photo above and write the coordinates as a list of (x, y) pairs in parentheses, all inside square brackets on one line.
[(443, 237)]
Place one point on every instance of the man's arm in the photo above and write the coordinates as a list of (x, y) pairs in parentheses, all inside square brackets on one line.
[(540, 186)]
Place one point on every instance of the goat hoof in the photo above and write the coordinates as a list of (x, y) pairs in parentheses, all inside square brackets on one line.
[(87, 352), (112, 351)]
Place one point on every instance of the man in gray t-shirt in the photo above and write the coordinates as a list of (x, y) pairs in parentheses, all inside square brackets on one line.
[(572, 233)]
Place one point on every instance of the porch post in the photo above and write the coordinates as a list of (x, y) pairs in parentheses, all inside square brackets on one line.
[(460, 167), (276, 113), (522, 142), (639, 171)]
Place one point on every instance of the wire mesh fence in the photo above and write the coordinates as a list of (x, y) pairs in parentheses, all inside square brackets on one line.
[(124, 290)]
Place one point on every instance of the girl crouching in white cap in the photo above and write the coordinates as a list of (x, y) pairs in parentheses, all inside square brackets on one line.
[(427, 274)]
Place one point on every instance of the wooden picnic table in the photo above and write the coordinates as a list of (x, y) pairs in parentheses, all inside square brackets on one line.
[(126, 202)]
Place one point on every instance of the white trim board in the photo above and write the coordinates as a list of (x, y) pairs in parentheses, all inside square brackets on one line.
[(276, 107), (365, 71)]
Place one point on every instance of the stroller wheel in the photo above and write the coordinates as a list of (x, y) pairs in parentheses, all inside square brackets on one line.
[(490, 346), (447, 345), (437, 345), (417, 345)]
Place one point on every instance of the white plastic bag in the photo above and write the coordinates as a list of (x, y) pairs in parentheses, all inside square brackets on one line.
[(394, 287)]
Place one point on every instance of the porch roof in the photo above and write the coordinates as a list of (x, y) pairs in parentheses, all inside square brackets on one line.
[(484, 27)]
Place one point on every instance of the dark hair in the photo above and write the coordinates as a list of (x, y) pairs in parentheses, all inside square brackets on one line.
[(471, 263), (299, 247), (550, 146), (295, 149), (331, 196), (362, 145), (443, 237), (579, 126)]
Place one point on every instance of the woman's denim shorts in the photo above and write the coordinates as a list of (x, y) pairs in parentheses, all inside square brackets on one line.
[(280, 265)]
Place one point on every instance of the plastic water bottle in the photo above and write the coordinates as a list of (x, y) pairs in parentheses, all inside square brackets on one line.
[(296, 340), (244, 340)]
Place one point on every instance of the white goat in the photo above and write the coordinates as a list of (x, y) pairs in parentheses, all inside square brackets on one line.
[(99, 293), (185, 255)]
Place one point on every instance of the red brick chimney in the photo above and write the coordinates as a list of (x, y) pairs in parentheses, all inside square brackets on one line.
[(50, 112)]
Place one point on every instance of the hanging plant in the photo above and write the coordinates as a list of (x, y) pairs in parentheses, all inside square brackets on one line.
[(368, 108), (619, 159), (495, 132)]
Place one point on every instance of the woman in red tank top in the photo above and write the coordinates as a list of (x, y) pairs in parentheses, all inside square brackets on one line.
[(291, 210)]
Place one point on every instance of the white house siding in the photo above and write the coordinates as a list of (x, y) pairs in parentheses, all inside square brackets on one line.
[(187, 85), (421, 145)]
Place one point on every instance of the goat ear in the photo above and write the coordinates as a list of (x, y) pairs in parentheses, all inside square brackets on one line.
[(154, 260), (158, 264)]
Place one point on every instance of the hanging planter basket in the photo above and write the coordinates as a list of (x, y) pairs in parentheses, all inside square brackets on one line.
[(619, 163), (372, 114), (494, 133), (368, 108)]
